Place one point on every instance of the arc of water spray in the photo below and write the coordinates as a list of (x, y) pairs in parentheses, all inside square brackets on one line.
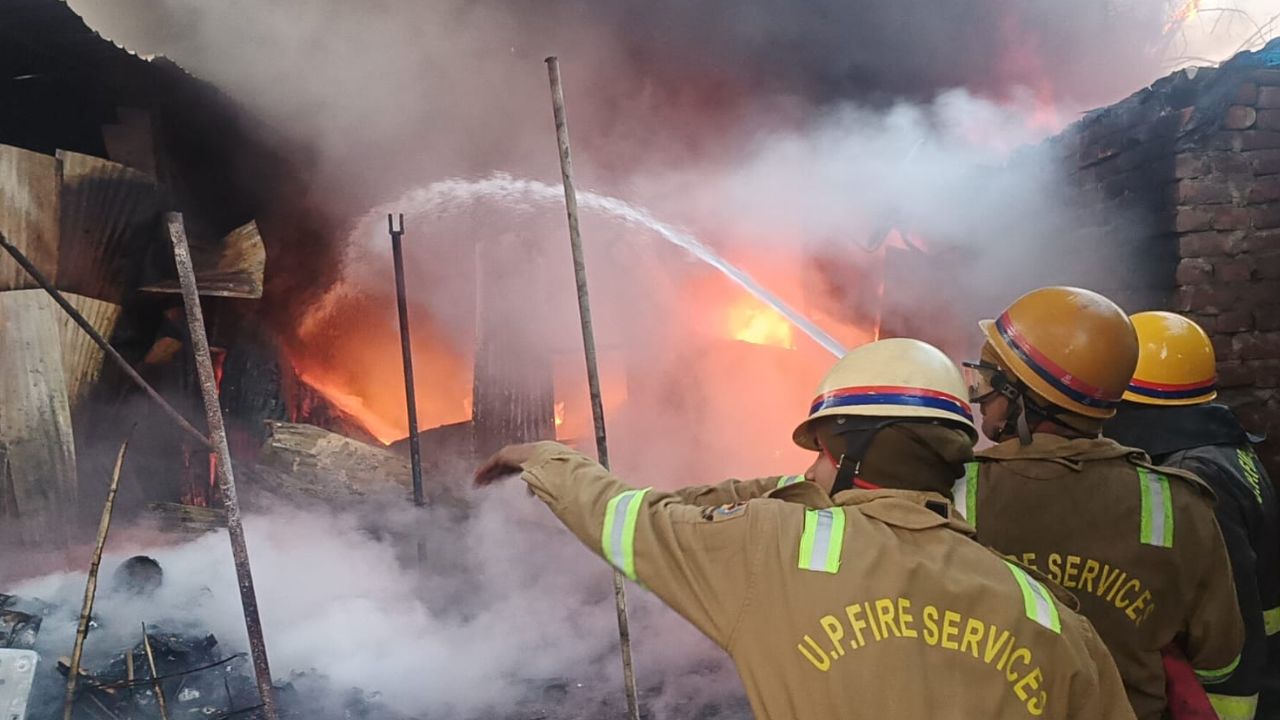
[(451, 194)]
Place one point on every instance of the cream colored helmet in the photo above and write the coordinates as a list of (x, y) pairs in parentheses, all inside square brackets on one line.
[(894, 378)]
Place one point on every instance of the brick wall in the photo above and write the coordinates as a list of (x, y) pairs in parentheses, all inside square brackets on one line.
[(1227, 223), (1187, 172)]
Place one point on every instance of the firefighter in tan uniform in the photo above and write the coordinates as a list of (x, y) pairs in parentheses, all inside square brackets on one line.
[(1137, 544), (858, 603)]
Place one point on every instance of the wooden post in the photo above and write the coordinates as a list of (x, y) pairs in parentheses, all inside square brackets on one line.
[(226, 481), (593, 371)]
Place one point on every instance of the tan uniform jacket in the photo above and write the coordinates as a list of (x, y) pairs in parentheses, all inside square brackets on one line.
[(1138, 545), (874, 607)]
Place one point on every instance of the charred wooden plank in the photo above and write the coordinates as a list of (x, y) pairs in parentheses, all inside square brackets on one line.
[(188, 518), (233, 267), (28, 213), (35, 417), (314, 462)]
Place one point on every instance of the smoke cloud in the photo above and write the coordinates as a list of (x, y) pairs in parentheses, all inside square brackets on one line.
[(395, 91), (507, 603)]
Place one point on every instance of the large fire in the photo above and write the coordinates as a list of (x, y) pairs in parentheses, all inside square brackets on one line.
[(351, 354), (715, 377)]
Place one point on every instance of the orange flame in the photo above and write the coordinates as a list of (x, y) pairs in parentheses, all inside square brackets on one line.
[(1187, 11), (758, 324), (559, 413)]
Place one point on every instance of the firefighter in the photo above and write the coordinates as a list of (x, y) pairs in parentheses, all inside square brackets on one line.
[(840, 602), (1168, 411), (1138, 544)]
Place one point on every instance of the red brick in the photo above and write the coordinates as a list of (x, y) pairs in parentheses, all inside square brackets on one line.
[(1266, 217), (1266, 373), (1230, 163), (1260, 241), (1263, 162), (1268, 97), (1254, 294), (1193, 219), (1194, 271), (1239, 270), (1234, 373), (1203, 244), (1223, 347), (1264, 190), (1254, 140), (1268, 119), (1256, 345), (1225, 217), (1212, 190), (1189, 165), (1267, 317), (1234, 321), (1267, 265), (1206, 299), (1247, 94), (1239, 117)]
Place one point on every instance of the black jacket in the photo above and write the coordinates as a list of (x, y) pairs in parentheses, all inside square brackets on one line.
[(1209, 441)]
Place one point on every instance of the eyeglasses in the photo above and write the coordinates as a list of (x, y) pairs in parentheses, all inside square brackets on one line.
[(982, 380)]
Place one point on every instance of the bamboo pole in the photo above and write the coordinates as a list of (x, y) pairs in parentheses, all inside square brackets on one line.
[(91, 585), (100, 341), (593, 370), (155, 676), (226, 480)]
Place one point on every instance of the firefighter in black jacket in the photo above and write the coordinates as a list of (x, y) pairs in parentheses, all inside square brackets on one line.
[(1168, 413)]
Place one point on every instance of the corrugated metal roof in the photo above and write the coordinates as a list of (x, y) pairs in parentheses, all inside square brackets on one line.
[(108, 220)]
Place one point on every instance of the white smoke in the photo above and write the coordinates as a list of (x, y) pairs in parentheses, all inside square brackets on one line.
[(507, 602)]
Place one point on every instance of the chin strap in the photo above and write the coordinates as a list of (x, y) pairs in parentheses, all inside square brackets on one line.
[(846, 471), (851, 459)]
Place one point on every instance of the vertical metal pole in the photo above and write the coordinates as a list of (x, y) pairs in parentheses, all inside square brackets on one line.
[(593, 371), (226, 480), (406, 352), (91, 586)]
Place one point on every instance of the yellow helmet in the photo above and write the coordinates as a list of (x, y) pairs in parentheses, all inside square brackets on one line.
[(1073, 347), (898, 377), (1176, 365)]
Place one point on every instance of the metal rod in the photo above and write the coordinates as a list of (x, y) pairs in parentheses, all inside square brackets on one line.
[(406, 352), (155, 676), (593, 371), (100, 341), (91, 586), (226, 480)]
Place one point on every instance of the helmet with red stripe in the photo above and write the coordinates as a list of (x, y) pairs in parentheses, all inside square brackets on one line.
[(894, 378), (1072, 347), (1175, 362)]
